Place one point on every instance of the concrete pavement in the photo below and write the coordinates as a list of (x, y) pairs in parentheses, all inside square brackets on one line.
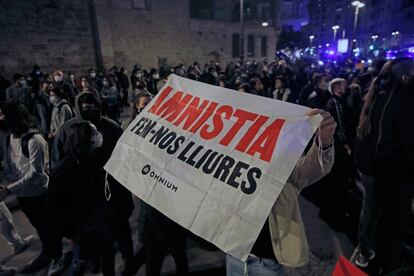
[(325, 246)]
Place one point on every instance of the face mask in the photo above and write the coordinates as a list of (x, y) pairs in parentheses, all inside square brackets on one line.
[(93, 75), (53, 99), (57, 78), (92, 115), (139, 75), (23, 83), (325, 86), (72, 77), (156, 76), (105, 83), (96, 140)]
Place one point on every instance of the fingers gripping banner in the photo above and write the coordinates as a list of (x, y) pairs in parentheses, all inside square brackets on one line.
[(212, 159)]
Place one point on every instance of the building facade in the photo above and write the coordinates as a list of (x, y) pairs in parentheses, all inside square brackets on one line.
[(294, 15), (77, 34)]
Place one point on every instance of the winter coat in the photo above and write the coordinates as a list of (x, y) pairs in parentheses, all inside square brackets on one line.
[(121, 199)]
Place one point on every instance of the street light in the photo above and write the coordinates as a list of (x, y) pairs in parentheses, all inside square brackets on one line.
[(358, 5), (242, 30), (335, 29), (374, 37), (394, 34), (311, 38)]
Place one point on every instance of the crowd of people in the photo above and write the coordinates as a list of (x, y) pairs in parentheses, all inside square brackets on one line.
[(60, 129)]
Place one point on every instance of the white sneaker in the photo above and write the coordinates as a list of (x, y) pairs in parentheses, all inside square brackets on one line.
[(7, 271), (56, 267), (23, 246)]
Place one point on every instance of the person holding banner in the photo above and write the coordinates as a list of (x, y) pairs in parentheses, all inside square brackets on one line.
[(282, 240)]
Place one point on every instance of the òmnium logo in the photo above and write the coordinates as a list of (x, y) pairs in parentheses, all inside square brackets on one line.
[(147, 170)]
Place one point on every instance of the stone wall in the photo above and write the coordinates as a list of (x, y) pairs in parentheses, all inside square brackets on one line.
[(165, 30), (51, 33), (80, 34)]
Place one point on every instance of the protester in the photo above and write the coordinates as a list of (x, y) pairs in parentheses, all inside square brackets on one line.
[(88, 108), (139, 89), (19, 91), (384, 157), (78, 206), (110, 98), (123, 86), (62, 110), (282, 92), (25, 164), (282, 240), (65, 86), (141, 102)]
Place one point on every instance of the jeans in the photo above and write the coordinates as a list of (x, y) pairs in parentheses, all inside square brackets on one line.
[(7, 228), (254, 266)]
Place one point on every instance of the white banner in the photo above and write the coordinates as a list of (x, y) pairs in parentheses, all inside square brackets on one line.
[(212, 159)]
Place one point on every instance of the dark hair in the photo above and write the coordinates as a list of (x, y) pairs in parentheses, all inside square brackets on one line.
[(18, 118), (245, 87), (17, 76), (282, 79), (88, 98), (79, 140), (59, 92)]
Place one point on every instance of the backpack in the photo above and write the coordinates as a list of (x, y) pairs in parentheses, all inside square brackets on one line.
[(24, 143), (70, 107)]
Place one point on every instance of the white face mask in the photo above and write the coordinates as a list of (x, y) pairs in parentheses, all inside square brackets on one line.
[(57, 78), (96, 139), (53, 99), (93, 75), (156, 76), (23, 82)]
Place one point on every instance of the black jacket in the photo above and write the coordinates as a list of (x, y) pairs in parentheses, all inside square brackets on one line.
[(75, 196), (121, 199), (388, 152)]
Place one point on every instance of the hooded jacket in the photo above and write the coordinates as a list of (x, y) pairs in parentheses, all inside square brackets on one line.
[(121, 199)]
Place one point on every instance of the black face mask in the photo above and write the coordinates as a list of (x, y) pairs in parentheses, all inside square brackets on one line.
[(92, 115)]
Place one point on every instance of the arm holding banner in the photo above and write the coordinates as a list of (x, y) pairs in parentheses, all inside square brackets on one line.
[(318, 161)]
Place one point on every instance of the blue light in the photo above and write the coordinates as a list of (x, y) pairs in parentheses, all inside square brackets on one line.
[(411, 50), (371, 47), (320, 63), (331, 52)]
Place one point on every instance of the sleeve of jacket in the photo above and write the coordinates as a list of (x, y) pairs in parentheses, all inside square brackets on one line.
[(37, 166), (308, 170), (6, 159)]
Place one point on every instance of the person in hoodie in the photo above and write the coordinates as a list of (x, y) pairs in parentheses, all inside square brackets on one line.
[(61, 112), (384, 155), (25, 162), (88, 108), (78, 206)]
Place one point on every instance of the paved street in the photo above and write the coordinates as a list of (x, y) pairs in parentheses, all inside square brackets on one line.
[(325, 245)]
